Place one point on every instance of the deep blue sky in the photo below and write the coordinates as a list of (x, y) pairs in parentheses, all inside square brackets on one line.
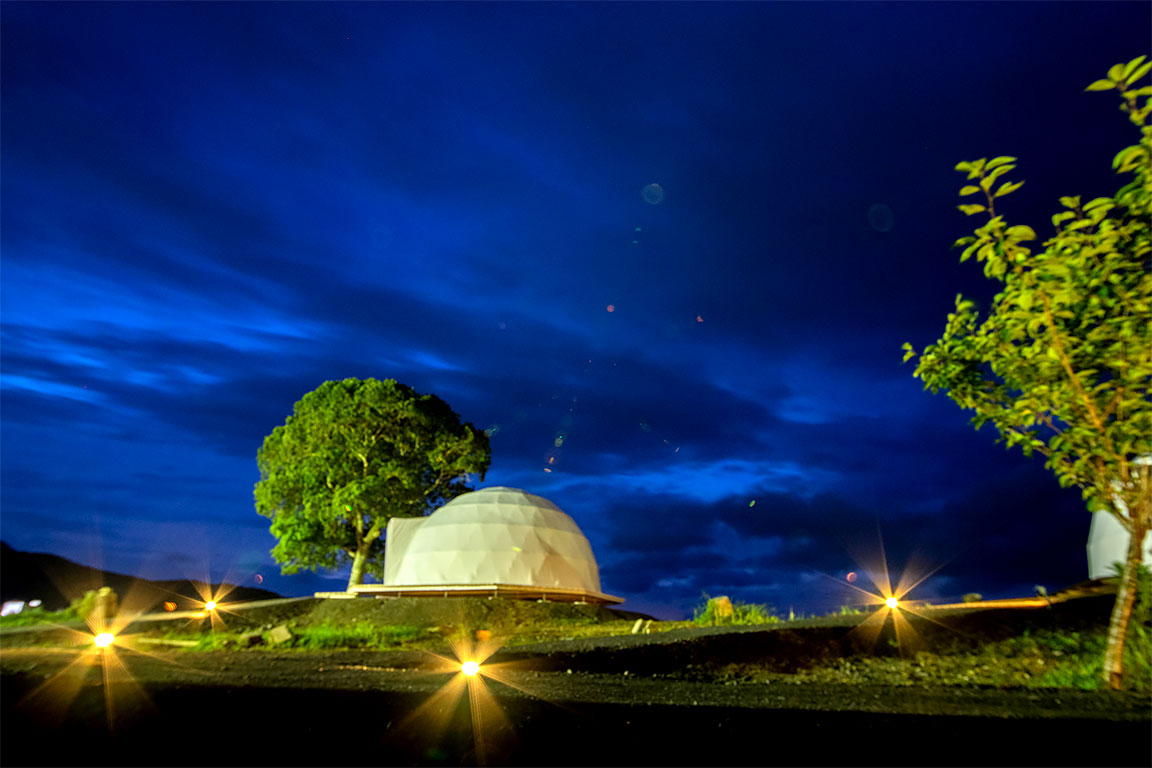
[(209, 209)]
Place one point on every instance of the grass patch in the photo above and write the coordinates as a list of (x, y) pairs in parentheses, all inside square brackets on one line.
[(33, 616), (362, 634), (553, 632)]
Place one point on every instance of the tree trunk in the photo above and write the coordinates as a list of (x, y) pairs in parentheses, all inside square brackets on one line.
[(1122, 610), (358, 562)]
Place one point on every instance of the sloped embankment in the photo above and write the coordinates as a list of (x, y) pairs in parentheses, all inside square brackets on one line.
[(500, 616)]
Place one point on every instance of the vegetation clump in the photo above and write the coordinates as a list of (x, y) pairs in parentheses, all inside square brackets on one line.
[(81, 607), (719, 612), (362, 634)]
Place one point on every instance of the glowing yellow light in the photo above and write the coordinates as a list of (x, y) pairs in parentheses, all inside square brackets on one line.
[(892, 602), (210, 605), (103, 640), (469, 668)]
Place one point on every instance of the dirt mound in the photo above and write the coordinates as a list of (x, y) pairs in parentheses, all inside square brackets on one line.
[(500, 615), (788, 647), (497, 614)]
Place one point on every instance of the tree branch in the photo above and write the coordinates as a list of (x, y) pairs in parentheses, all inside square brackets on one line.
[(1066, 362)]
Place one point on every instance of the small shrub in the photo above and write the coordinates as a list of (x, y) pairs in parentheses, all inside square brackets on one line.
[(83, 605), (708, 615)]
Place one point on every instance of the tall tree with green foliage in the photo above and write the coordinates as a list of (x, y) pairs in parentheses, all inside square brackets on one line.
[(1061, 364), (352, 455)]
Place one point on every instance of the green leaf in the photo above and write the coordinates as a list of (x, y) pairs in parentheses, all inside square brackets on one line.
[(1062, 217), (1070, 202), (1020, 232), (970, 189), (997, 161), (1097, 202), (1139, 73), (1008, 187), (1100, 85), (1130, 66), (974, 168), (968, 210), (1116, 73), (1127, 159), (998, 172)]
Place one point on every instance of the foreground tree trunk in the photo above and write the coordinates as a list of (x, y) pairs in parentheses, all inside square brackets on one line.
[(1122, 610), (358, 561)]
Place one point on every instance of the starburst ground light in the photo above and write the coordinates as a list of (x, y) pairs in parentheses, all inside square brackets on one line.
[(102, 651), (472, 672), (102, 648), (890, 601)]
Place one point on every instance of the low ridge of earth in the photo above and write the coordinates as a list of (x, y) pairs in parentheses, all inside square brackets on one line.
[(760, 695)]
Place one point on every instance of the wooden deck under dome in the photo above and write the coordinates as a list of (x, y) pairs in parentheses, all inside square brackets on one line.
[(512, 591)]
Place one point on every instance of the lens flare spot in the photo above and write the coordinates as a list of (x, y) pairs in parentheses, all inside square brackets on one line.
[(470, 668), (653, 194), (892, 602), (851, 577), (103, 640), (169, 605), (611, 307), (210, 605), (880, 217)]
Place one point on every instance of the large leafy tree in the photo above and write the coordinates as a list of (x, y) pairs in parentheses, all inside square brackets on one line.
[(352, 455), (1061, 363)]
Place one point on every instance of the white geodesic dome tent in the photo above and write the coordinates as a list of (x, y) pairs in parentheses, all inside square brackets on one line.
[(496, 541)]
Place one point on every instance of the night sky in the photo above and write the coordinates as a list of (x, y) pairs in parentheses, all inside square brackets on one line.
[(688, 238)]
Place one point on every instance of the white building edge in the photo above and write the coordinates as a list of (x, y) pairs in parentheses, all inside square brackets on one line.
[(1108, 541)]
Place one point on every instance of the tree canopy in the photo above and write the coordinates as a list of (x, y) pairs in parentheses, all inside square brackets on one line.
[(1061, 363), (352, 455)]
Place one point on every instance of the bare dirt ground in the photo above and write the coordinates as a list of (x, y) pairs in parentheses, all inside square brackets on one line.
[(661, 699)]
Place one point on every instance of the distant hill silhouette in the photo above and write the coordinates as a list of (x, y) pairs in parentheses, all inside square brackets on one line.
[(57, 581)]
